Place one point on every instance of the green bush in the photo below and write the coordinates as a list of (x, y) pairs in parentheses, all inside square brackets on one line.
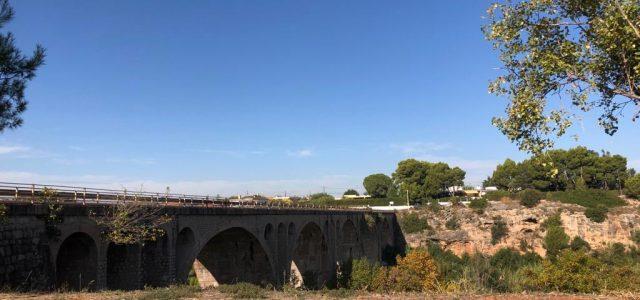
[(635, 237), (498, 230), (434, 205), (243, 290), (596, 214), (498, 195), (510, 259), (555, 241), (363, 274), (478, 205), (573, 272), (530, 197), (452, 224), (588, 198), (413, 222), (579, 244), (632, 187), (552, 221), (450, 266)]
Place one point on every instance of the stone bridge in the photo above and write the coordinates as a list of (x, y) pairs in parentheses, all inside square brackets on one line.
[(218, 245)]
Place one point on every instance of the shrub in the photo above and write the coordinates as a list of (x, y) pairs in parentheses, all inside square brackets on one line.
[(452, 224), (243, 290), (434, 205), (632, 187), (574, 272), (498, 195), (362, 274), (530, 197), (414, 272), (552, 221), (555, 240), (478, 205), (579, 244), (588, 198), (635, 237), (450, 266), (509, 259), (596, 214), (498, 230), (413, 222), (482, 275)]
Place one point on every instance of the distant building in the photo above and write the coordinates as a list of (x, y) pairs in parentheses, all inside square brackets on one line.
[(454, 189), (349, 197), (472, 193)]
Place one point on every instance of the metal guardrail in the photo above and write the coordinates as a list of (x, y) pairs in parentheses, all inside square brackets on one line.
[(35, 193)]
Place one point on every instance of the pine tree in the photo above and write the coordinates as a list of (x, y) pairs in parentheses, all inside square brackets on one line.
[(15, 70)]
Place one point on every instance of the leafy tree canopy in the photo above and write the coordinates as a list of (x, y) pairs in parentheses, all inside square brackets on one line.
[(632, 188), (377, 185), (575, 168), (351, 192), (425, 179), (15, 71), (587, 51)]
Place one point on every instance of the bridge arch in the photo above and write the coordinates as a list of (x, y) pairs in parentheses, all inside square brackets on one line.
[(76, 262), (268, 232), (310, 264), (233, 255), (185, 246), (349, 247)]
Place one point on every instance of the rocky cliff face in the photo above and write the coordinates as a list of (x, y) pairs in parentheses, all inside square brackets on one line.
[(524, 226)]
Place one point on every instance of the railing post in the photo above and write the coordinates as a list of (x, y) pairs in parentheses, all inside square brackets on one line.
[(84, 196), (75, 196), (17, 193), (33, 193), (98, 198), (166, 197)]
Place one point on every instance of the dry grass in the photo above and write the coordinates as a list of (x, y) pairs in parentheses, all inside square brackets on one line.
[(180, 292)]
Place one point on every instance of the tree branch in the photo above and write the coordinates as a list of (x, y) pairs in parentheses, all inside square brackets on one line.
[(626, 18)]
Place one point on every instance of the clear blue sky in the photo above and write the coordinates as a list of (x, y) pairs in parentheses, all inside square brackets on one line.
[(259, 96)]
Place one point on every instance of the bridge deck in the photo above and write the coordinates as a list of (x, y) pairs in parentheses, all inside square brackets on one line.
[(21, 193)]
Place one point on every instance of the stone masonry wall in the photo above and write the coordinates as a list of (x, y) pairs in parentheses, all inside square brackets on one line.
[(24, 254)]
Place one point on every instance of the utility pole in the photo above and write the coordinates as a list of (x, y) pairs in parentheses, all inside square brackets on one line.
[(408, 198)]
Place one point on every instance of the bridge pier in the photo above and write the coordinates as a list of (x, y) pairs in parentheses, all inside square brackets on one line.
[(222, 244)]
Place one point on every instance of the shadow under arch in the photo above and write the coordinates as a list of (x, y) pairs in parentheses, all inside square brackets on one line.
[(310, 265), (76, 262), (185, 245), (231, 256), (349, 247)]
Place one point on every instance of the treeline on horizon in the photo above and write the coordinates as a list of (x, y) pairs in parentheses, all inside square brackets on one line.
[(577, 168), (559, 170)]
